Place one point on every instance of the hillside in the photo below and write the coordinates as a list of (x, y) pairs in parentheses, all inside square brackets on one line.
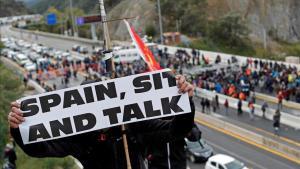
[(88, 6), (12, 7)]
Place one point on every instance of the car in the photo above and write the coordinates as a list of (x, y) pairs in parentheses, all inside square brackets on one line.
[(83, 50), (33, 56), (222, 161), (97, 51), (29, 66), (57, 55), (4, 52), (22, 59), (198, 151), (75, 48)]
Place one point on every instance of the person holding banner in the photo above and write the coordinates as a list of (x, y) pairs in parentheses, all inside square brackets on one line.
[(104, 149)]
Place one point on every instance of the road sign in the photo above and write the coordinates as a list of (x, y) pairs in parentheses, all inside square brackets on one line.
[(80, 21), (51, 19), (88, 19)]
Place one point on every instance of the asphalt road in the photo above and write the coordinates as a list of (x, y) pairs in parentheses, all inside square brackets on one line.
[(251, 156), (60, 44)]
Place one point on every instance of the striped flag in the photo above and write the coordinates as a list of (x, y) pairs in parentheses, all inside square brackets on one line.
[(144, 51)]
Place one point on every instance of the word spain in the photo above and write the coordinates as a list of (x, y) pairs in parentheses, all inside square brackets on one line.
[(100, 105)]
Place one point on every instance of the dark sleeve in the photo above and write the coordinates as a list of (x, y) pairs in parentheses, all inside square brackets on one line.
[(54, 148), (163, 131)]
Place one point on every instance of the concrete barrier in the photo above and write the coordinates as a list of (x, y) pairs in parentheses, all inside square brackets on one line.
[(284, 150), (224, 56), (75, 39), (287, 119), (272, 99)]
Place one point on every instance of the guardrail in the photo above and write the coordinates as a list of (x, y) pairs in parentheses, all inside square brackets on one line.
[(286, 118), (283, 150)]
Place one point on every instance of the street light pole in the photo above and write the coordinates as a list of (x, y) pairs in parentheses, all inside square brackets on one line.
[(107, 47), (73, 19), (160, 23)]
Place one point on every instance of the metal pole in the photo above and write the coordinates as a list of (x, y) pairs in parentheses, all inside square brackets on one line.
[(107, 47), (73, 19), (160, 23)]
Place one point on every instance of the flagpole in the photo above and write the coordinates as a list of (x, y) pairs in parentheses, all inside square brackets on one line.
[(108, 46)]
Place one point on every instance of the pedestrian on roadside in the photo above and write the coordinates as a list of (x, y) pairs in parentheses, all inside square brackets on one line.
[(202, 105), (207, 105), (10, 157), (264, 108), (214, 105), (217, 101), (54, 86), (276, 122), (25, 81), (251, 108), (240, 104), (226, 105), (280, 98)]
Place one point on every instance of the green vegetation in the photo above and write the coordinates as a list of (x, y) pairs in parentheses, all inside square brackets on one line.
[(11, 89)]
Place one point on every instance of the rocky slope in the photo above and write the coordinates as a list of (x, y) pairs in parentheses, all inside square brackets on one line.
[(279, 18), (12, 8)]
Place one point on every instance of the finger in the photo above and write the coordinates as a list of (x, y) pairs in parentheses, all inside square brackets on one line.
[(16, 110), (181, 80), (183, 86), (12, 119), (17, 116), (15, 104)]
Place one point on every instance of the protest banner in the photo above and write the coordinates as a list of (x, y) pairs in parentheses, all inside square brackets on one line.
[(100, 105)]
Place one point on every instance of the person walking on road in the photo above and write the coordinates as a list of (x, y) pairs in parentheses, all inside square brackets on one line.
[(240, 104), (276, 122), (207, 105), (203, 105), (226, 105), (264, 109), (251, 108)]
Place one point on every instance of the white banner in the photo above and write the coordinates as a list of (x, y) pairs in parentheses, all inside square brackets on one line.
[(99, 105)]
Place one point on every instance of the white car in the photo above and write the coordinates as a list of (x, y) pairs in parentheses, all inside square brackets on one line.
[(29, 66), (221, 161), (22, 59)]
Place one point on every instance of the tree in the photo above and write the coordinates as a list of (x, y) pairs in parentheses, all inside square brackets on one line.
[(230, 30), (150, 31), (191, 15)]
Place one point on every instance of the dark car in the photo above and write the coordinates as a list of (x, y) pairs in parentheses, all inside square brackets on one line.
[(198, 151)]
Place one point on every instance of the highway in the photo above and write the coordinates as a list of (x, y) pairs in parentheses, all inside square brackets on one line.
[(61, 44), (252, 156)]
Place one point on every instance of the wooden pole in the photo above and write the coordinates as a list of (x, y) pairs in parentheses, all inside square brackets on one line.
[(108, 46)]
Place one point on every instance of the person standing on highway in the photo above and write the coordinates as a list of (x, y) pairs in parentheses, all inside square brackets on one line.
[(240, 104), (276, 121), (252, 109), (226, 105), (264, 109)]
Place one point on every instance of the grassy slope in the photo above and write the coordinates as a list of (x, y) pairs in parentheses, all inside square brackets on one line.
[(11, 88)]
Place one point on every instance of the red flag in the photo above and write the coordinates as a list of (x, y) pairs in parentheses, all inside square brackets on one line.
[(144, 51)]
